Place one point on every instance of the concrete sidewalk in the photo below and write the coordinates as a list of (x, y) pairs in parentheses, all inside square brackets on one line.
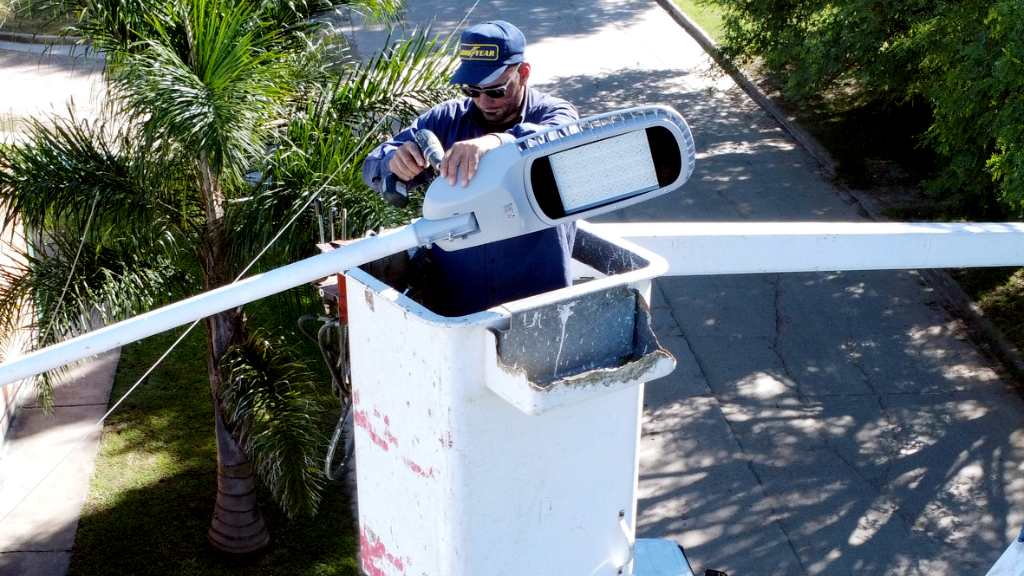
[(41, 491), (40, 509), (817, 423)]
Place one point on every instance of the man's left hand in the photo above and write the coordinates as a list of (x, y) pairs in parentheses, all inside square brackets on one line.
[(465, 156)]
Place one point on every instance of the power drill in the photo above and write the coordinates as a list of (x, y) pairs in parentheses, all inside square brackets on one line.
[(396, 191)]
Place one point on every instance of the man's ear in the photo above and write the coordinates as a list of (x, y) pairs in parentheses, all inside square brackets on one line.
[(524, 72)]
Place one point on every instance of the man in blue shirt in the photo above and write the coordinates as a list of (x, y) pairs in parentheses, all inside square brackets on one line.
[(499, 107)]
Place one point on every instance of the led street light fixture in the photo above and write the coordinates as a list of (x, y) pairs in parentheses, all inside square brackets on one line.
[(596, 165)]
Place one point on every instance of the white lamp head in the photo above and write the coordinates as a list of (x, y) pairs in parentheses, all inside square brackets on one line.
[(589, 167)]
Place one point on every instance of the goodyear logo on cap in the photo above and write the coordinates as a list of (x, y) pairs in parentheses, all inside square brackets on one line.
[(479, 52)]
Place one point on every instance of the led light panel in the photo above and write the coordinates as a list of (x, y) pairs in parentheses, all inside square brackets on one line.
[(606, 170)]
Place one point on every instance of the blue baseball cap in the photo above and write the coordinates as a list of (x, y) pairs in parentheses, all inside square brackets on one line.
[(486, 50)]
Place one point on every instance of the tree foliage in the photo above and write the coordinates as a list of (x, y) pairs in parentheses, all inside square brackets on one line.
[(223, 119), (962, 57), (976, 86), (277, 412)]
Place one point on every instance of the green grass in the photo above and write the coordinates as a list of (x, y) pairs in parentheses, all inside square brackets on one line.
[(999, 292), (1004, 306), (705, 15), (152, 492)]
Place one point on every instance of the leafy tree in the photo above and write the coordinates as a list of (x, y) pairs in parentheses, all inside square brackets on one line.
[(818, 46), (223, 119), (976, 87), (961, 57)]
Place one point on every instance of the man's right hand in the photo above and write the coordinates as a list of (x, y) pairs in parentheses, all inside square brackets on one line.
[(407, 162)]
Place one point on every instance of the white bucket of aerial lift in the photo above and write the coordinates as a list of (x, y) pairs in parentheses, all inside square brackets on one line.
[(470, 466)]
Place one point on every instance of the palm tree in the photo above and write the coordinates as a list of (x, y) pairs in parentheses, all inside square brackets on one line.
[(224, 118)]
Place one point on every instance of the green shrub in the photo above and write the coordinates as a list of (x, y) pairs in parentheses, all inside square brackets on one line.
[(962, 57)]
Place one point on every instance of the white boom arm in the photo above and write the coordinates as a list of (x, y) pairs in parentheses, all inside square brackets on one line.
[(696, 248)]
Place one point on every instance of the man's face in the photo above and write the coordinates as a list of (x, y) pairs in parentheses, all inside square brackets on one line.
[(505, 108)]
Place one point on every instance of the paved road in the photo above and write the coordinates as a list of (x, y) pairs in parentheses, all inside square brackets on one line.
[(817, 423), (38, 85)]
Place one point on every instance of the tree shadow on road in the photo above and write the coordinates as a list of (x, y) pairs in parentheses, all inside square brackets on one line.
[(833, 423)]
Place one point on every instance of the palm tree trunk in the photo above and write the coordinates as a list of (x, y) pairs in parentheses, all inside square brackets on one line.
[(237, 527)]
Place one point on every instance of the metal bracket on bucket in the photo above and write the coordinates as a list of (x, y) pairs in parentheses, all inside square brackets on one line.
[(576, 349)]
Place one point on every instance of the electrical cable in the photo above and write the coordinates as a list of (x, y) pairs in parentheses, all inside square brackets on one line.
[(74, 264), (342, 386)]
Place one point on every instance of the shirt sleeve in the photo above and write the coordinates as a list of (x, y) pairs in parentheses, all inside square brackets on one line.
[(378, 162)]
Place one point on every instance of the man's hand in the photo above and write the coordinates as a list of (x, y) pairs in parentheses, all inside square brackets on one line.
[(465, 156), (408, 161)]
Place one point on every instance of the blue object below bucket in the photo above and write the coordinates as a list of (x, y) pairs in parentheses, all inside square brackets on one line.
[(659, 557)]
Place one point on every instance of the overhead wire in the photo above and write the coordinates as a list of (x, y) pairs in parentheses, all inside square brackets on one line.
[(74, 264)]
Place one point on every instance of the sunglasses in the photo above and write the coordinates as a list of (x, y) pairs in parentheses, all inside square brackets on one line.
[(492, 92)]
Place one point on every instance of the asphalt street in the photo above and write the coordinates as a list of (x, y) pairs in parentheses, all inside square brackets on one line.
[(817, 423)]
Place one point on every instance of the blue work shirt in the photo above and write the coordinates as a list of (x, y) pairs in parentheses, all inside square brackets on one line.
[(478, 278)]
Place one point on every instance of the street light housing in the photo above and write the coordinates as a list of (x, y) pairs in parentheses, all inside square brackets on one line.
[(568, 172)]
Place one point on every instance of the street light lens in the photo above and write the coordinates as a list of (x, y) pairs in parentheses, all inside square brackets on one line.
[(605, 171)]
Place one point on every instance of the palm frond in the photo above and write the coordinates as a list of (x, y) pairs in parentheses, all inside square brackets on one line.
[(69, 164), (271, 405), (112, 26), (207, 84), (111, 278), (67, 283), (322, 149), (406, 78)]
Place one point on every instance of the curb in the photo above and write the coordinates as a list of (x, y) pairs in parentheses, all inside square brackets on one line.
[(44, 39), (984, 334)]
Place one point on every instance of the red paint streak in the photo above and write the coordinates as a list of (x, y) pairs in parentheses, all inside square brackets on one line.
[(355, 396), (373, 554), (417, 469), (363, 421)]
